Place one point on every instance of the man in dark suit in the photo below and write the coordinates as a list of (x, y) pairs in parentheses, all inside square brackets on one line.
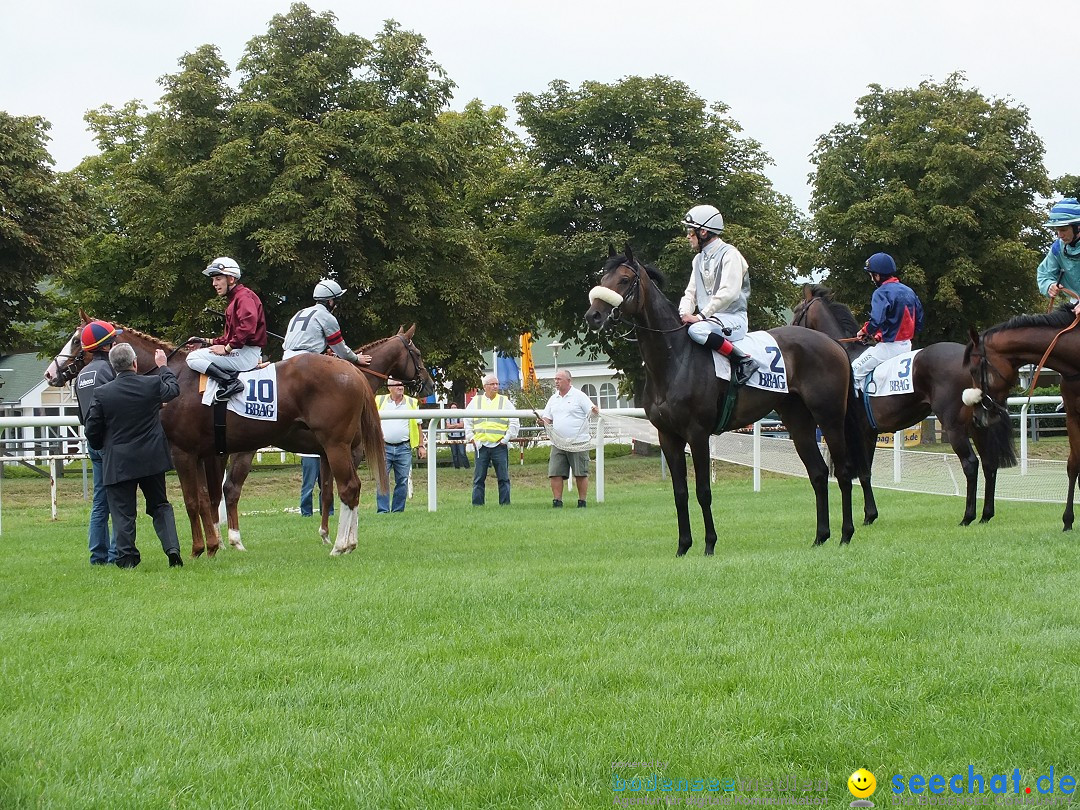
[(125, 425)]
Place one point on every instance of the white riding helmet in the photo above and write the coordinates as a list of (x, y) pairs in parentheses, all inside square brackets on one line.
[(704, 216), (222, 266), (327, 288)]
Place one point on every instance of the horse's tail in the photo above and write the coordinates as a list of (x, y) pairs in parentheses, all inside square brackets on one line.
[(855, 428), (997, 448), (374, 449)]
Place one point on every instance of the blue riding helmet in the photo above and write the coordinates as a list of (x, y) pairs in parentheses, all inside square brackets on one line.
[(882, 264), (1066, 212)]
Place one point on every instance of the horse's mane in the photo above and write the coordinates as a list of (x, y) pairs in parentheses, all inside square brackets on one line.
[(1058, 319), (653, 272), (164, 344), (844, 319), (375, 343)]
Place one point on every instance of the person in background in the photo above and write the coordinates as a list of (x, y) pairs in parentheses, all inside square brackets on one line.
[(124, 423), (491, 437), (455, 434), (896, 314), (310, 481), (567, 414), (400, 436), (1060, 270), (97, 338), (240, 347)]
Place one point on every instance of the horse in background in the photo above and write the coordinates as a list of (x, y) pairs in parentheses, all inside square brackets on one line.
[(994, 358), (323, 407), (395, 356), (684, 398), (939, 376)]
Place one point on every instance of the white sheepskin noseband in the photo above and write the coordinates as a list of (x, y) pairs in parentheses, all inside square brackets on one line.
[(972, 396), (608, 296)]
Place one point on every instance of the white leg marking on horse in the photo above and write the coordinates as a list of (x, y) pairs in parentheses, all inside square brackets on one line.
[(234, 540), (348, 520)]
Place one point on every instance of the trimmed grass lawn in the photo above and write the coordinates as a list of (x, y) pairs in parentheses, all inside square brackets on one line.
[(510, 657)]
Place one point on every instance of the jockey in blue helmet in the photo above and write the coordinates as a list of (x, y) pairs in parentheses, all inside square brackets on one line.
[(1061, 267)]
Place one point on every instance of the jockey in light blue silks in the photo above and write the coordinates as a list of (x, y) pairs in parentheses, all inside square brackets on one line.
[(714, 303), (1061, 267), (896, 314)]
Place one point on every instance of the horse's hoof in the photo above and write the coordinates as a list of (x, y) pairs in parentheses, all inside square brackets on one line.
[(336, 552), (237, 547), (845, 541), (681, 552), (196, 552), (967, 521), (708, 552), (820, 541), (211, 552)]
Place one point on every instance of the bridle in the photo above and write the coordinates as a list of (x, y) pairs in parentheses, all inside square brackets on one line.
[(803, 310), (418, 372), (632, 294), (985, 369), (67, 372)]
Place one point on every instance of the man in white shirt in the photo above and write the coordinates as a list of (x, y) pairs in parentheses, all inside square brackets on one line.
[(567, 413)]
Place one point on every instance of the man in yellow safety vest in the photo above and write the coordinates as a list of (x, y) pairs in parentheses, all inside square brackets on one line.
[(490, 436)]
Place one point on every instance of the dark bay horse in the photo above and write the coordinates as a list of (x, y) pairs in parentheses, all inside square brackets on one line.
[(324, 406), (395, 356), (939, 376), (994, 360), (684, 397)]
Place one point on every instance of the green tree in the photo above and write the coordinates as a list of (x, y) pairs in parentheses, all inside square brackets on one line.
[(1068, 185), (40, 221), (945, 180), (334, 156), (623, 162)]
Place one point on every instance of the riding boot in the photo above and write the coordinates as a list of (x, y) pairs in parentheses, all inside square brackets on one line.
[(743, 365), (228, 383)]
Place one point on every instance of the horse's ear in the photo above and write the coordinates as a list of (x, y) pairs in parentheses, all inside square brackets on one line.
[(973, 335), (807, 291), (85, 318), (629, 253), (410, 331), (611, 250), (401, 330)]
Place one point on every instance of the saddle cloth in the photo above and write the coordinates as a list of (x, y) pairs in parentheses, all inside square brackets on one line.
[(771, 376), (892, 377), (259, 397)]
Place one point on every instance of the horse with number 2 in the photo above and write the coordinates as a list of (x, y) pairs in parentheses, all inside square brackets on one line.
[(323, 406), (688, 402)]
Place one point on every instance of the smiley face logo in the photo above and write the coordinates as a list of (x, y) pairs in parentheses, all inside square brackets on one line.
[(862, 784)]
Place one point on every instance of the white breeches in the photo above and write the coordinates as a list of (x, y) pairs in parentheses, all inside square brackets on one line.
[(701, 330), (874, 357), (242, 359)]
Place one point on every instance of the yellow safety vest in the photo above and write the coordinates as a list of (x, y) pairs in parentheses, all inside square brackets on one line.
[(491, 430), (414, 425)]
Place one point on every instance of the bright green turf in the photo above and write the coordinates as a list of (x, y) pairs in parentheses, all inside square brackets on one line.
[(506, 657)]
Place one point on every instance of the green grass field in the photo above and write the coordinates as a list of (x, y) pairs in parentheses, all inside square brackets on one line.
[(507, 657)]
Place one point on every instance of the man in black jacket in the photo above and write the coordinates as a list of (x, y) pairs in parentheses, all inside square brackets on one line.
[(124, 423)]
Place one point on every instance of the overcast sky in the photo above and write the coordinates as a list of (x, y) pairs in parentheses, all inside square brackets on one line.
[(788, 70)]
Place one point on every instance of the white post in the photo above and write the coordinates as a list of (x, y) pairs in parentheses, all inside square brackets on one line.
[(898, 449), (757, 456), (600, 458), (432, 490), (1023, 438), (52, 487)]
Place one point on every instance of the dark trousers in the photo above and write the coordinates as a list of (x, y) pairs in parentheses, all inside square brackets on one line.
[(459, 456), (499, 458), (123, 506)]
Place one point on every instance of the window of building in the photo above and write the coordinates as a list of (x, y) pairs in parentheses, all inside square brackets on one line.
[(609, 397), (590, 391)]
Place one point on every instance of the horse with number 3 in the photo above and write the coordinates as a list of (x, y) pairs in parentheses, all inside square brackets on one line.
[(323, 406), (938, 376), (684, 398)]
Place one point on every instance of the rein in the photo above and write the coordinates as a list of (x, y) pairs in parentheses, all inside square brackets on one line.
[(616, 316), (1050, 348)]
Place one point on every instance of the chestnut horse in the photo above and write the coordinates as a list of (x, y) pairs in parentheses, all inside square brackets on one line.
[(395, 356), (323, 406), (994, 360), (684, 398), (938, 377)]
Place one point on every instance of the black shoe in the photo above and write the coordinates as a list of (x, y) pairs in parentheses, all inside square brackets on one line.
[(743, 368), (230, 389), (556, 503), (581, 504), (175, 560)]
